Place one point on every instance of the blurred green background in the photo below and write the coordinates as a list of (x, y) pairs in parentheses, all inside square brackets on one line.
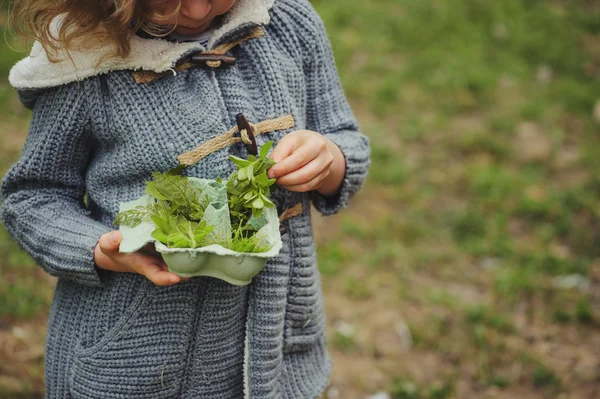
[(469, 265)]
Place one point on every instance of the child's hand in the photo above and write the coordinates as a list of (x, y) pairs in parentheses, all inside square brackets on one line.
[(306, 161), (108, 257)]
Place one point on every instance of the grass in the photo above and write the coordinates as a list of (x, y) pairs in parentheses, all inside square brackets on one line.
[(480, 118), (408, 389), (483, 190)]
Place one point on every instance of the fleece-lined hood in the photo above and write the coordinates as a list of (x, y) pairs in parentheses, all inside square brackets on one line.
[(37, 72)]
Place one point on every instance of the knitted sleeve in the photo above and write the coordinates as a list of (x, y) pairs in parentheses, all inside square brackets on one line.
[(328, 111), (42, 194)]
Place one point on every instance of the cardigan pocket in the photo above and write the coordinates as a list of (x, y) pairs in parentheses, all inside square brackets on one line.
[(305, 319), (144, 354)]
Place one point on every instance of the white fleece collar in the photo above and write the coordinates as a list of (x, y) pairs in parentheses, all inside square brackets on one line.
[(37, 72)]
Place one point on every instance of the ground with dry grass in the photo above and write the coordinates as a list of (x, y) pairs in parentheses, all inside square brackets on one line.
[(469, 265)]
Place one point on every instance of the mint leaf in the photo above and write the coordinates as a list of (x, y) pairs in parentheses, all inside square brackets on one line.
[(264, 150), (239, 161)]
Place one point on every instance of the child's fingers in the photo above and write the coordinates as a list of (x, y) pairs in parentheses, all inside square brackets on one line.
[(313, 184), (300, 157), (155, 273), (165, 268), (151, 267), (308, 172), (284, 148), (109, 242)]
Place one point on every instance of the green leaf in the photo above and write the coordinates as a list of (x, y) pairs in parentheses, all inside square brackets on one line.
[(231, 186), (161, 223), (258, 203), (154, 191), (178, 240), (257, 212), (163, 226), (263, 180), (187, 234), (202, 230), (268, 163), (248, 193), (175, 190), (239, 161), (264, 150), (181, 235), (197, 212), (242, 185), (160, 236), (132, 217), (176, 171), (267, 201), (242, 174)]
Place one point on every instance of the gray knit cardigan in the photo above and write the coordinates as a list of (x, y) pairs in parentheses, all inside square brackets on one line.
[(95, 130)]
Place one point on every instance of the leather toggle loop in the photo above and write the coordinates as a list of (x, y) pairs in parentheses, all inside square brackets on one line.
[(247, 132)]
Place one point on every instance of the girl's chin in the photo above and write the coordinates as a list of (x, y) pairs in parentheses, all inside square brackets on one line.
[(183, 30)]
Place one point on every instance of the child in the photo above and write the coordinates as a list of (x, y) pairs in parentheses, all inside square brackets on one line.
[(121, 325)]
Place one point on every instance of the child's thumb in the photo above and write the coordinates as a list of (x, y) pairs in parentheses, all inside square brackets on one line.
[(111, 241)]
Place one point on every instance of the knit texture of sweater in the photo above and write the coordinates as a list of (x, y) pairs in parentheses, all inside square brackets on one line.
[(97, 131)]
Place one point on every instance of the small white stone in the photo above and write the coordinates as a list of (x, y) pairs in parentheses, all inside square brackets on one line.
[(544, 74), (405, 335), (572, 281), (380, 395), (333, 393), (18, 332), (344, 328), (489, 263), (532, 143)]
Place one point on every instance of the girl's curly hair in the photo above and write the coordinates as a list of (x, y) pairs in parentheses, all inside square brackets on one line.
[(85, 21)]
